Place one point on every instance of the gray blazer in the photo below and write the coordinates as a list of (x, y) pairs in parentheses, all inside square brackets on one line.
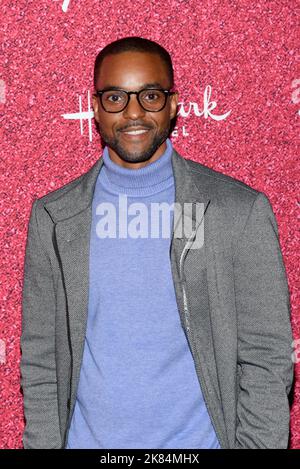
[(232, 296)]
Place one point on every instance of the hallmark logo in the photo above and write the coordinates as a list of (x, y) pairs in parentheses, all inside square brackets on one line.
[(82, 115), (183, 111), (65, 5)]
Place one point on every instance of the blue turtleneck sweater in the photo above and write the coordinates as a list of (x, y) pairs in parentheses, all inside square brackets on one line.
[(138, 386)]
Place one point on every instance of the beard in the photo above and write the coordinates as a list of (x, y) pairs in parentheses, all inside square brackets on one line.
[(135, 156)]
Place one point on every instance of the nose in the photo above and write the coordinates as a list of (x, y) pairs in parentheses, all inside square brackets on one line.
[(133, 109)]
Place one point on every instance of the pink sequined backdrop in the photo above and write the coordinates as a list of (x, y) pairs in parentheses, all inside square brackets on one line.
[(235, 60)]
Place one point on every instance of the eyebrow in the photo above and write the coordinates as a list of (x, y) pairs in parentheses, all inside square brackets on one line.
[(155, 84)]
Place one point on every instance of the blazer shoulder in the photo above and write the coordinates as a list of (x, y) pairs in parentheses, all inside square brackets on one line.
[(227, 189), (57, 193), (219, 179)]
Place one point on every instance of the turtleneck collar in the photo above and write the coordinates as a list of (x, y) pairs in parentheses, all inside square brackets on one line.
[(152, 178)]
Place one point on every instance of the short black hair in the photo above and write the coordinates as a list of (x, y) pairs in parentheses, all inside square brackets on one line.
[(138, 44)]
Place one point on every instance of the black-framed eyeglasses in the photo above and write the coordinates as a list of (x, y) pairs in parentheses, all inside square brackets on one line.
[(150, 99)]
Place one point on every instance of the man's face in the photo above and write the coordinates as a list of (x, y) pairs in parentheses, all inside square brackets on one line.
[(133, 71)]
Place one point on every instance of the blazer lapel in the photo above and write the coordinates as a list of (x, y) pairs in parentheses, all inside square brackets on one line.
[(72, 215)]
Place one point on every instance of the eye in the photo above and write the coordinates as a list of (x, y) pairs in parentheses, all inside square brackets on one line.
[(151, 95), (114, 98)]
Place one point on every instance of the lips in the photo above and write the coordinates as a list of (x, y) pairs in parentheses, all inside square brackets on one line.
[(135, 131)]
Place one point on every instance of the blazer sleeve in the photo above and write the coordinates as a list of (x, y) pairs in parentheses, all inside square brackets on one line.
[(37, 366), (264, 333)]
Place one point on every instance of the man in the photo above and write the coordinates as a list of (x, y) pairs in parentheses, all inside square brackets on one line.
[(138, 341)]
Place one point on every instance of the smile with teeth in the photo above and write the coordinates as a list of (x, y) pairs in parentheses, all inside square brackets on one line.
[(136, 132)]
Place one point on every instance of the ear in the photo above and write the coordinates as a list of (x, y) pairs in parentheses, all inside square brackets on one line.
[(173, 104), (96, 104)]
